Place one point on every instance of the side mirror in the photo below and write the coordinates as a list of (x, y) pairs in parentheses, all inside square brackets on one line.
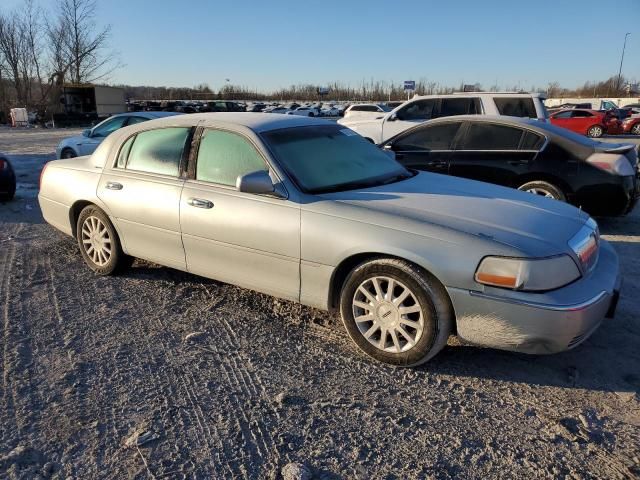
[(392, 118), (86, 133), (258, 182), (388, 149)]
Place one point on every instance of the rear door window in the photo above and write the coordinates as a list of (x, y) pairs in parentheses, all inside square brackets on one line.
[(516, 106), (531, 141), (581, 114), (436, 137), (459, 106), (488, 136), (158, 151)]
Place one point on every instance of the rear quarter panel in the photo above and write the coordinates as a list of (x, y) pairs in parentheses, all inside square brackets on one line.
[(62, 185)]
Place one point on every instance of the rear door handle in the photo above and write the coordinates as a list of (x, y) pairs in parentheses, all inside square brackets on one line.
[(200, 203), (114, 186)]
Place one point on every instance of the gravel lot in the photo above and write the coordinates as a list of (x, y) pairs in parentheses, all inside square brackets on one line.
[(161, 374)]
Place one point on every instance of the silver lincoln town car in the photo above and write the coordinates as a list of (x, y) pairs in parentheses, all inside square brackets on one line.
[(309, 211)]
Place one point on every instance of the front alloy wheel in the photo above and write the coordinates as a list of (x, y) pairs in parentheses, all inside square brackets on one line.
[(388, 314), (395, 311)]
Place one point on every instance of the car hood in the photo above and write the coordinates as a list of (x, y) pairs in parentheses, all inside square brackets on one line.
[(73, 140), (533, 225)]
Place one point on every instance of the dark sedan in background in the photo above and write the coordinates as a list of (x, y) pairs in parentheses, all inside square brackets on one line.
[(7, 180), (537, 157)]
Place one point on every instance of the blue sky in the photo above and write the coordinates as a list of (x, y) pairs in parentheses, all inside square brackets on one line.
[(269, 44)]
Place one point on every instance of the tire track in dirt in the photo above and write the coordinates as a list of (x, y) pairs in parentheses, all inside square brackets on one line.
[(7, 256), (174, 378)]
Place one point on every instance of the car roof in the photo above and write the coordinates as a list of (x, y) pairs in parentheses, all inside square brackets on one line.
[(541, 96), (595, 112), (258, 122), (150, 115)]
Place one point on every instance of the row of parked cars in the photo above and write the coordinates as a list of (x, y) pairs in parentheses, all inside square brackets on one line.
[(308, 210), (480, 137), (309, 109)]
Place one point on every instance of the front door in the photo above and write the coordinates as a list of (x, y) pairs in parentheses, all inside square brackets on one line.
[(408, 116), (142, 194), (248, 240), (99, 133)]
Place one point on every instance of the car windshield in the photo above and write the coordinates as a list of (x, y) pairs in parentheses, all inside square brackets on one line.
[(331, 158)]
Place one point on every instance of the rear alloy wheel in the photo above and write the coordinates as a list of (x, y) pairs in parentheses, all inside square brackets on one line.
[(395, 312), (68, 153), (595, 132), (99, 243), (635, 130), (544, 189)]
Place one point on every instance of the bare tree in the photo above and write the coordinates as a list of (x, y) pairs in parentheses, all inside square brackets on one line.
[(12, 48), (85, 45)]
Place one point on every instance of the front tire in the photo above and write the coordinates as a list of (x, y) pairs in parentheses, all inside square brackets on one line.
[(595, 131), (68, 153), (396, 312), (544, 189), (99, 243), (635, 130)]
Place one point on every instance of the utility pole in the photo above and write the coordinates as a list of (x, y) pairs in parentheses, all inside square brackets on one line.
[(624, 45)]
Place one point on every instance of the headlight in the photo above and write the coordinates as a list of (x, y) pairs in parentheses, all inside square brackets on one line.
[(527, 274)]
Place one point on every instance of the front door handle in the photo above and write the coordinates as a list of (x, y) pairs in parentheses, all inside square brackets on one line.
[(200, 203), (114, 186)]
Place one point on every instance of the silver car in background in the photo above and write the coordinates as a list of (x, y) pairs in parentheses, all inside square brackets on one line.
[(309, 211), (86, 143)]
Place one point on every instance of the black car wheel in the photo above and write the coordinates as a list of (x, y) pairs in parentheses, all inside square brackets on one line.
[(595, 132), (544, 189), (635, 130), (8, 196), (68, 153)]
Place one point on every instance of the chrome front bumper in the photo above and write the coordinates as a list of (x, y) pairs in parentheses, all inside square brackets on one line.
[(540, 323)]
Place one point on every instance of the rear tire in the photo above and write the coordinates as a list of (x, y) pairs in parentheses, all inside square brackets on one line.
[(99, 243), (395, 312), (7, 197), (635, 130), (595, 131), (544, 189)]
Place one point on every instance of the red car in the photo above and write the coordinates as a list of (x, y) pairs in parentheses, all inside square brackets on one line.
[(631, 125), (592, 123)]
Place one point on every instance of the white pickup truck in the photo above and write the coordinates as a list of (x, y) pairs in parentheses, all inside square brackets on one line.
[(423, 108)]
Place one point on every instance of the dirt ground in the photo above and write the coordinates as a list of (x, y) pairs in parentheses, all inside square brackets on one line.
[(160, 374)]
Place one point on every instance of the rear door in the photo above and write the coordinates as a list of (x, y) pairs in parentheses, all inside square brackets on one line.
[(427, 148), (142, 192), (491, 152)]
